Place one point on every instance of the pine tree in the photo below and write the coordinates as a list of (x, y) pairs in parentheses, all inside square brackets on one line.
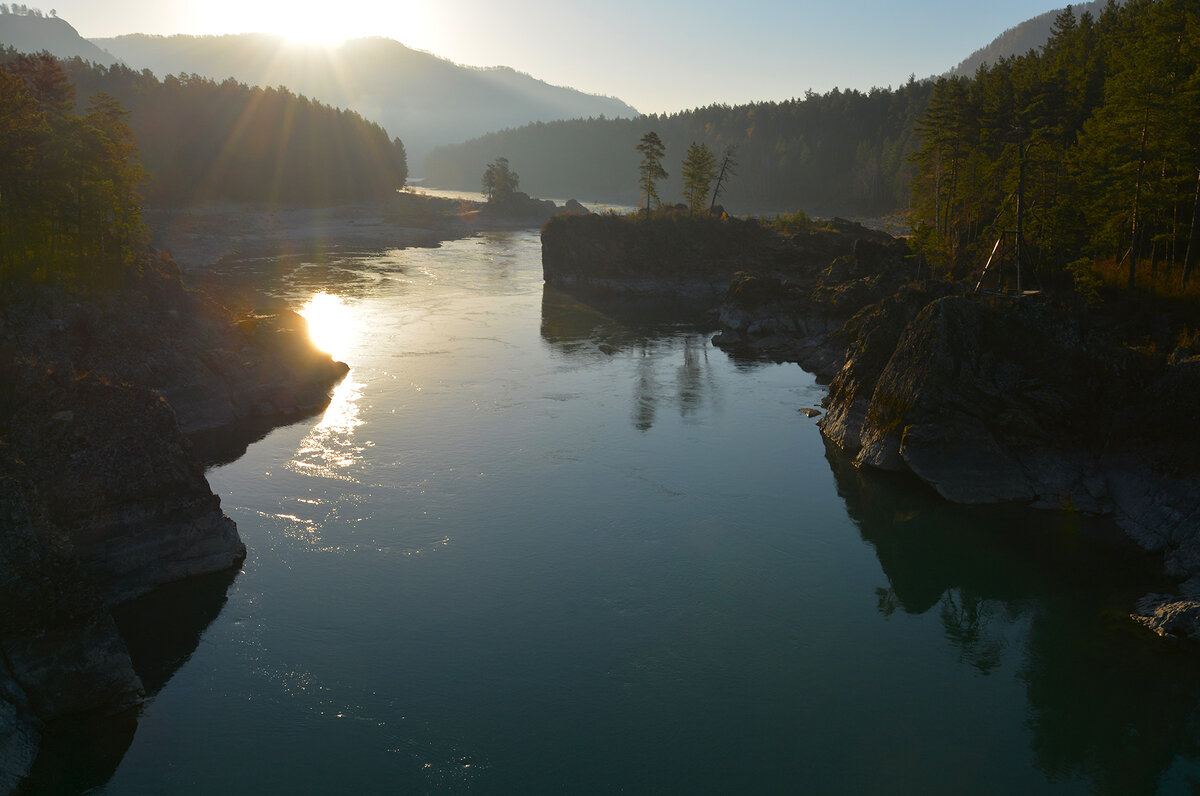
[(651, 170), (699, 170)]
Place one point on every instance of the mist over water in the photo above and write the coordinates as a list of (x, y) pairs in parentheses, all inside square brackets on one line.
[(541, 546)]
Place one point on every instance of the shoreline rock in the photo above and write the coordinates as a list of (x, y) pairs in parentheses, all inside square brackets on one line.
[(987, 401), (102, 495)]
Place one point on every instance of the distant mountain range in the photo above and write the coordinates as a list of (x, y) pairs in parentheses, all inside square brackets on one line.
[(424, 100), (1031, 34)]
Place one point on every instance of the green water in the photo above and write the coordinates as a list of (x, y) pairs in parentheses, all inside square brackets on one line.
[(536, 546)]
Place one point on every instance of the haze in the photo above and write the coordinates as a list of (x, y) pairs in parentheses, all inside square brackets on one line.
[(657, 56)]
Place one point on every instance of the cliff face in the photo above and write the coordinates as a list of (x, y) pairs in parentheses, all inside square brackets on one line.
[(1016, 402), (115, 481), (60, 652), (102, 496)]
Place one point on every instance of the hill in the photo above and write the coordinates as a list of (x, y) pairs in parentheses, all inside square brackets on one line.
[(33, 31), (201, 141), (1020, 39), (838, 153), (426, 100)]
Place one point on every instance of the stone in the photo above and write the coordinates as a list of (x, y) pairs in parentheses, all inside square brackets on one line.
[(1169, 616)]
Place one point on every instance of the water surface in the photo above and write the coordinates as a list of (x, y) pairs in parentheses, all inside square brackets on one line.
[(537, 546)]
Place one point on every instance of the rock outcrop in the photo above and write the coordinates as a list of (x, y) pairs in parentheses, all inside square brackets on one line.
[(102, 495), (673, 257), (1016, 402), (115, 481), (987, 400)]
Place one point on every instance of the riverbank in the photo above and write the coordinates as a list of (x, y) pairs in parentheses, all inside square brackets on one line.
[(102, 491), (113, 401), (199, 236), (1039, 402)]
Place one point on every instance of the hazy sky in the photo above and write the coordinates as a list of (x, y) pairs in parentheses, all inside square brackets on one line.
[(658, 56)]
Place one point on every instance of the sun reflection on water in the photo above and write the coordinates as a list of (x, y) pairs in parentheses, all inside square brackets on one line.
[(332, 449), (332, 324)]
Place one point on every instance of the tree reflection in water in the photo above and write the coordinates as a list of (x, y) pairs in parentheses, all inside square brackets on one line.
[(1109, 702), (599, 330)]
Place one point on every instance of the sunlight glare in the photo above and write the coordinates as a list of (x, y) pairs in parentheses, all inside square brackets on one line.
[(332, 326), (332, 448)]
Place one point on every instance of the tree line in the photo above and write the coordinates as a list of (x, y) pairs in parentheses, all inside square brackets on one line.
[(1089, 148), (201, 140), (74, 171), (69, 203), (22, 10), (839, 152)]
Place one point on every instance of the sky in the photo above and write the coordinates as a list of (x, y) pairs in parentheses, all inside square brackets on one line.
[(660, 57)]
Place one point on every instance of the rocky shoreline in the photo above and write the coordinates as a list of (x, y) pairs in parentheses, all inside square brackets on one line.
[(102, 492), (987, 400), (196, 237), (112, 402)]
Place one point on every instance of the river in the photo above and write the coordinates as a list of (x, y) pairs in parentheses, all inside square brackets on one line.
[(537, 546)]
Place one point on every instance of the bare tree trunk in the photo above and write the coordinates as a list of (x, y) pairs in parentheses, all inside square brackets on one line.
[(1189, 259), (1137, 198)]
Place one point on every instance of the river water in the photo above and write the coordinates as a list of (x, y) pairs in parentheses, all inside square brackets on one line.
[(537, 546)]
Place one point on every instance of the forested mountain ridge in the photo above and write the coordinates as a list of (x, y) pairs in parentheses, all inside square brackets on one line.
[(1020, 39), (28, 30), (202, 141), (425, 99), (842, 152)]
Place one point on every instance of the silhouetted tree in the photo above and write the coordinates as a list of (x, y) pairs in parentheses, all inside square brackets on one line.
[(699, 170), (499, 181), (651, 170), (727, 172)]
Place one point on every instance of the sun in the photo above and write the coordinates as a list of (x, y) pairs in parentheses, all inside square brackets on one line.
[(332, 325), (311, 29), (319, 22), (299, 21)]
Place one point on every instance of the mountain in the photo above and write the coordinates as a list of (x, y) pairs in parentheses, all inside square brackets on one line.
[(838, 153), (1031, 34), (33, 32), (424, 100)]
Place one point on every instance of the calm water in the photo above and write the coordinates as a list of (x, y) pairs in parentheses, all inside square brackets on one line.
[(537, 547)]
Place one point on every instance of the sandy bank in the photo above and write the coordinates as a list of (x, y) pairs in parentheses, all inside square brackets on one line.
[(199, 236)]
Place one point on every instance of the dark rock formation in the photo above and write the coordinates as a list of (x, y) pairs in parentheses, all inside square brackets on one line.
[(60, 652), (1015, 402), (213, 368), (987, 400), (116, 481), (1170, 615), (674, 257), (520, 206), (573, 207), (102, 497)]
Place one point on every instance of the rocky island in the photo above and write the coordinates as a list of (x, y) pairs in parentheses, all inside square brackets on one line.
[(1036, 401)]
